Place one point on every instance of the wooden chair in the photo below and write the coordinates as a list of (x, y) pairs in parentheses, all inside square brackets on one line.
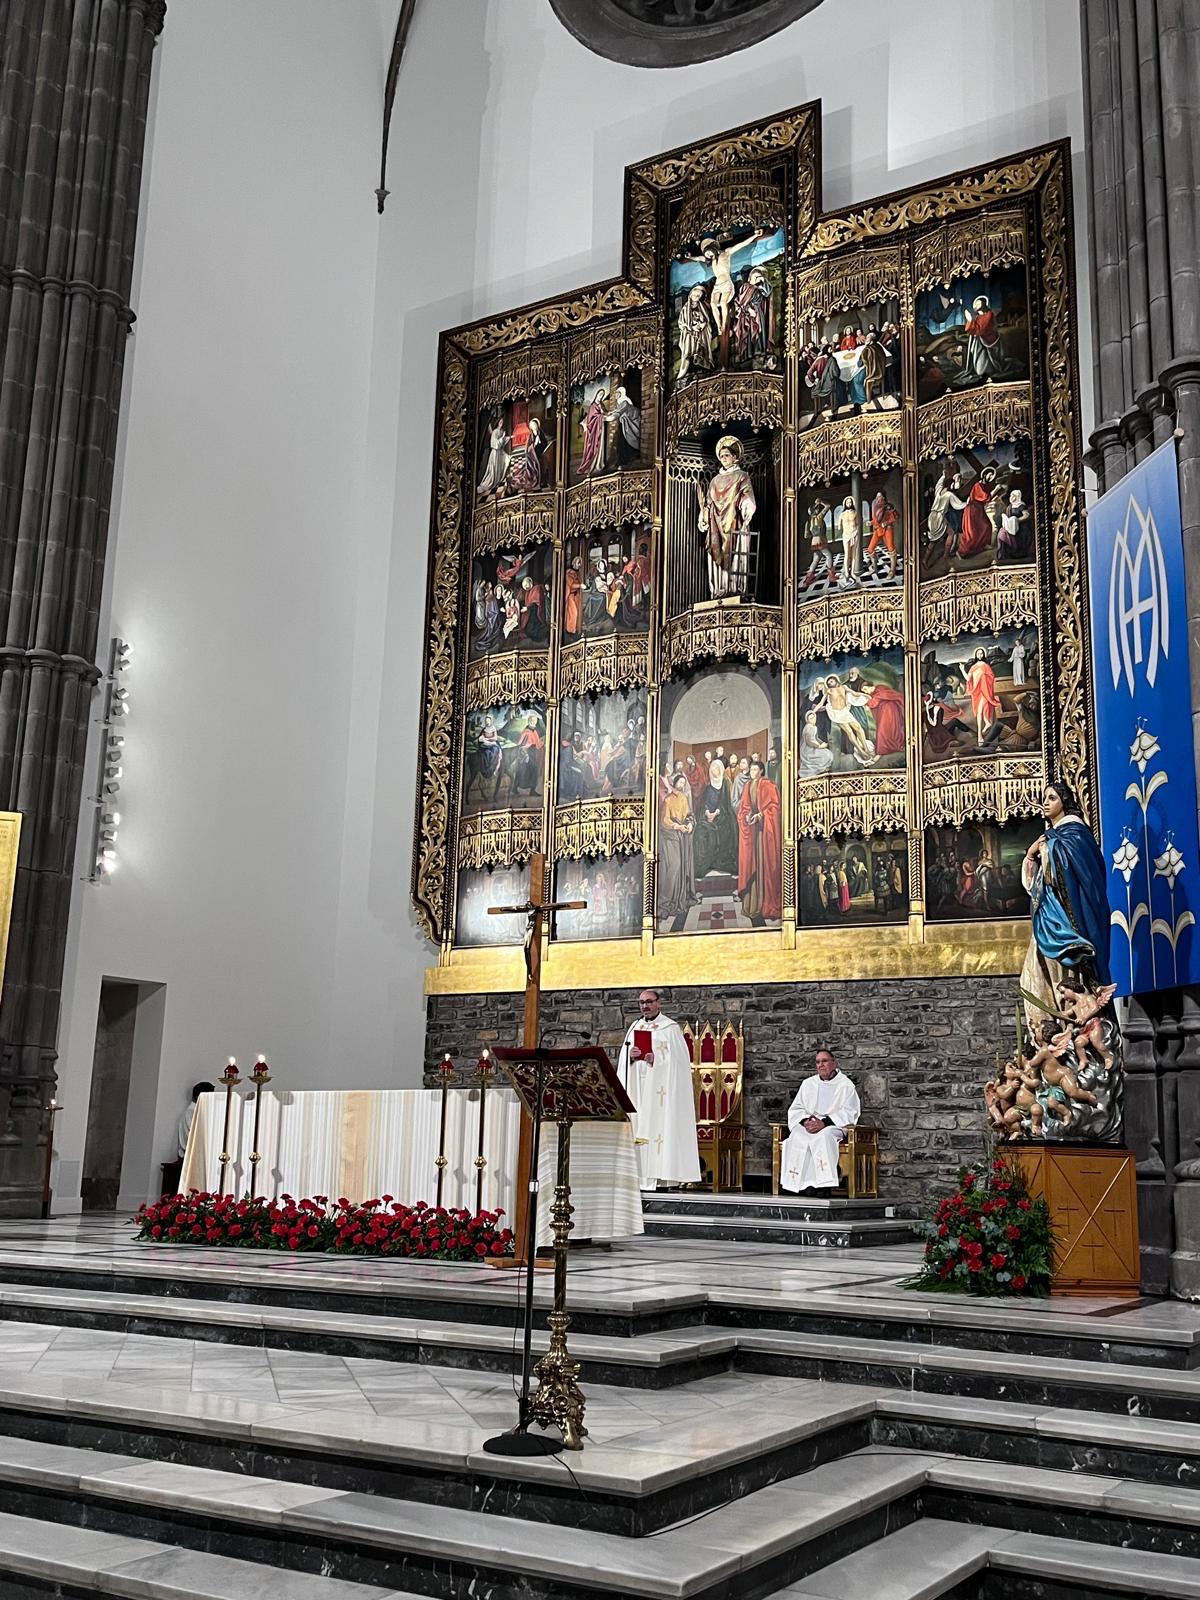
[(858, 1161), (718, 1066)]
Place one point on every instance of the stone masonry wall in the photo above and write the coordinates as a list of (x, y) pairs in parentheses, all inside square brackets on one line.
[(917, 1049)]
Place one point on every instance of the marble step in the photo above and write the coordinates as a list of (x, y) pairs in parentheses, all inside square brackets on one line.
[(764, 1540), (804, 1532), (1145, 1450), (87, 1561), (836, 1233), (929, 1558), (408, 1289), (651, 1360), (786, 1207), (1102, 1386), (635, 1479), (1160, 1334), (630, 1484)]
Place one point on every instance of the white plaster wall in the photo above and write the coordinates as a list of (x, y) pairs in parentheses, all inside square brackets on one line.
[(271, 528), (236, 535)]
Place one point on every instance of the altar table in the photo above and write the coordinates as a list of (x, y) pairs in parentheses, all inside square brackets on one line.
[(365, 1143)]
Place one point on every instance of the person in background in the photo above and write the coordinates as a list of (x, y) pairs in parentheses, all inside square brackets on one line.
[(189, 1116), (824, 1107)]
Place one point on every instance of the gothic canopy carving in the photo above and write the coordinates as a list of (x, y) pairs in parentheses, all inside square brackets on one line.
[(675, 33)]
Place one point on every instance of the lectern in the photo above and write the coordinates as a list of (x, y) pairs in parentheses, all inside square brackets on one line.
[(564, 1086)]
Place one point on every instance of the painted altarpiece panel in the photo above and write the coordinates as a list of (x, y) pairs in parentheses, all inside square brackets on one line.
[(720, 810), (849, 882), (612, 888), (965, 284)]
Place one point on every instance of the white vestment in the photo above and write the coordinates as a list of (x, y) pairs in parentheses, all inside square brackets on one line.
[(810, 1160), (664, 1127)]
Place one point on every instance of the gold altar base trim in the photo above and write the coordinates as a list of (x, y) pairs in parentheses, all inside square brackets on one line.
[(957, 950)]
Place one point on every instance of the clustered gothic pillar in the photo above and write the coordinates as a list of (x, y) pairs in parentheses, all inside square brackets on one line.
[(1142, 86), (74, 88)]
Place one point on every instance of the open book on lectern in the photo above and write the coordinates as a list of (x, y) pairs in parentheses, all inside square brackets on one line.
[(578, 1081)]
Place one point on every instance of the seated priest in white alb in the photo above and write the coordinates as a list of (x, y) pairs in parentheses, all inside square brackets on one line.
[(824, 1107), (656, 1070)]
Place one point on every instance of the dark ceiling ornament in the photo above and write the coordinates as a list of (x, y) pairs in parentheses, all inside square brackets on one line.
[(403, 24), (675, 33)]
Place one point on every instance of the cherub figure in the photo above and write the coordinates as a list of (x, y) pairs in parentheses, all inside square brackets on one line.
[(1084, 1009), (1044, 1057), (1016, 1092), (998, 1094)]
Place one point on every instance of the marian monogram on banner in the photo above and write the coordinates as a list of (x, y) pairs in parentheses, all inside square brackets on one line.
[(1147, 781)]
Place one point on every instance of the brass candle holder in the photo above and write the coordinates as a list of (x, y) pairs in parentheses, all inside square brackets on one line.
[(483, 1073), (259, 1078), (446, 1072), (231, 1077), (52, 1111)]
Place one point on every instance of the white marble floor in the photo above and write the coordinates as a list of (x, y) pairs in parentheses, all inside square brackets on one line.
[(640, 1274), (410, 1414)]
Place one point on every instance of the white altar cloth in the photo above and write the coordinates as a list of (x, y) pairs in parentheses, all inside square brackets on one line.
[(361, 1144)]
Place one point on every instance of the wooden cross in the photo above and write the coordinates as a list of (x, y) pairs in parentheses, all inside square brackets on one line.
[(535, 911)]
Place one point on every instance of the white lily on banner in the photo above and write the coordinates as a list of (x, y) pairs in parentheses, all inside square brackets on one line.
[(1142, 751), (1125, 861), (1169, 865)]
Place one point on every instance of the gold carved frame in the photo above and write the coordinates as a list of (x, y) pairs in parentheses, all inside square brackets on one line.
[(995, 212)]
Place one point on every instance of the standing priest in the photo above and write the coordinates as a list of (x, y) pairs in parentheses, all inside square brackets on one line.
[(824, 1107), (656, 1071)]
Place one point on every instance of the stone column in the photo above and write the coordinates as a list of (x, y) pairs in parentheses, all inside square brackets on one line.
[(74, 88), (1142, 91)]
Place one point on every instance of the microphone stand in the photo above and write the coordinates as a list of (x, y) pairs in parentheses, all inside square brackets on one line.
[(519, 1441)]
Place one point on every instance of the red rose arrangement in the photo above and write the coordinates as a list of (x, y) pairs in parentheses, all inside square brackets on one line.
[(988, 1237), (383, 1227)]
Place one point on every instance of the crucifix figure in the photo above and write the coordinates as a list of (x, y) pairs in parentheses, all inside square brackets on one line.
[(535, 911)]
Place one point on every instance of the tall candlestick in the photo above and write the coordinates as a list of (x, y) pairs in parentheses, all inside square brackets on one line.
[(483, 1072), (230, 1078), (446, 1071), (258, 1077)]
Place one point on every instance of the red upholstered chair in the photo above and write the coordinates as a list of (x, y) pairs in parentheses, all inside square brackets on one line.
[(718, 1062)]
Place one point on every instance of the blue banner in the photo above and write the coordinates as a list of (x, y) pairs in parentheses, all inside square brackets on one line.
[(1147, 777)]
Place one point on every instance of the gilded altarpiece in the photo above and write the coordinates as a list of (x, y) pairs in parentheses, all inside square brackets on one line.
[(756, 580)]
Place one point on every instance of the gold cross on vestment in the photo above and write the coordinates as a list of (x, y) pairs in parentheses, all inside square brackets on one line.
[(662, 1094)]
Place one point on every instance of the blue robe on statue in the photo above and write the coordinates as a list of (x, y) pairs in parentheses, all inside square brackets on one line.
[(1069, 899)]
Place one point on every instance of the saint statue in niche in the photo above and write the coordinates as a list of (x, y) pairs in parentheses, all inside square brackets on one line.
[(727, 507), (753, 322), (695, 335)]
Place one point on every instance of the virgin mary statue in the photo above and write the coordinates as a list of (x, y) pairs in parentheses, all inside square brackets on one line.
[(1065, 875)]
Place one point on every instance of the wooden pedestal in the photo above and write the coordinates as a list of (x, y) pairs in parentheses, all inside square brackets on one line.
[(1092, 1194)]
